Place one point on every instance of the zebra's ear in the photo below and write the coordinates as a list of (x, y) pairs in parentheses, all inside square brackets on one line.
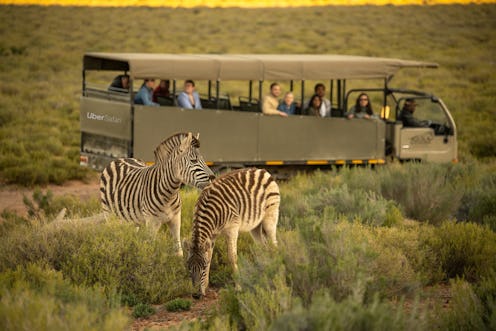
[(186, 143), (198, 136)]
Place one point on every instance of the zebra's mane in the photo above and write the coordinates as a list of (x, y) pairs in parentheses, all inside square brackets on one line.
[(234, 172), (206, 191), (165, 148)]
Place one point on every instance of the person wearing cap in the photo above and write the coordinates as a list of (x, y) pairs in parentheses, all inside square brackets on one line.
[(144, 95), (406, 116)]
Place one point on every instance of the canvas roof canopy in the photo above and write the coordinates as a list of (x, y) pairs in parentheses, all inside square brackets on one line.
[(257, 67)]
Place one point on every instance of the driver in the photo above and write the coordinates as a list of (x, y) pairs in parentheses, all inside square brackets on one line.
[(406, 116)]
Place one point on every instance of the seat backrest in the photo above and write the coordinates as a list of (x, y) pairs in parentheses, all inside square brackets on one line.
[(247, 104), (165, 101)]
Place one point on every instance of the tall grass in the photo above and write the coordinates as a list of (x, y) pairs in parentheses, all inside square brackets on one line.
[(338, 261), (34, 297), (41, 61)]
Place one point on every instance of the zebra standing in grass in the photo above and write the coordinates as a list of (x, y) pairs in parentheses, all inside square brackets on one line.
[(150, 194), (243, 200)]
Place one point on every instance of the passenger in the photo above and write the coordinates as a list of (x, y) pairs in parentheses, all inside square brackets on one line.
[(144, 95), (406, 115), (271, 102), (361, 109), (189, 98), (288, 105), (314, 106), (162, 90), (325, 107), (120, 84)]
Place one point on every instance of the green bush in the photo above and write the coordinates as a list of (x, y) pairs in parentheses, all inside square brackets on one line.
[(178, 304), (260, 302), (424, 191), (465, 311), (112, 255), (325, 313), (39, 298), (324, 195), (463, 250), (143, 310)]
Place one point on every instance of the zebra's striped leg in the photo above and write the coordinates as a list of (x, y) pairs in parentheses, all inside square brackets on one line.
[(175, 230), (210, 253), (269, 223), (257, 234), (232, 253)]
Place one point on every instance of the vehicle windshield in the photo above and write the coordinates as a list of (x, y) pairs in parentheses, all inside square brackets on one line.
[(427, 109)]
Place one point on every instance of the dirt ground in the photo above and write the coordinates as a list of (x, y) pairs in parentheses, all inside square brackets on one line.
[(164, 319), (11, 198)]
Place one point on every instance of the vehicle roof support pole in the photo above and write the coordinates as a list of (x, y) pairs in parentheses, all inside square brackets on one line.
[(217, 93), (250, 91), (209, 89), (384, 100), (131, 96), (84, 82), (174, 91), (331, 91), (260, 83), (302, 93), (344, 92), (291, 86), (338, 94)]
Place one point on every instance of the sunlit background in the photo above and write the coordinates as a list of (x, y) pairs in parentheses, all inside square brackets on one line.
[(236, 3)]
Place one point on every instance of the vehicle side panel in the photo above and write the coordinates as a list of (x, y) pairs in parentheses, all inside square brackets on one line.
[(228, 136), (301, 138), (423, 144), (106, 118), (224, 135)]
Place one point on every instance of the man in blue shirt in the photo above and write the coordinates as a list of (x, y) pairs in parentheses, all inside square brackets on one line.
[(145, 93), (189, 98)]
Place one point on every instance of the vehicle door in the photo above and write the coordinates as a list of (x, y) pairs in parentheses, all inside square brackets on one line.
[(436, 142)]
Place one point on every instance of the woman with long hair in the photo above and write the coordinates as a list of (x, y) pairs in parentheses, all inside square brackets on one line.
[(362, 108)]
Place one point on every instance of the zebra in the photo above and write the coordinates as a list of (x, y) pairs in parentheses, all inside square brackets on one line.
[(243, 200), (150, 194)]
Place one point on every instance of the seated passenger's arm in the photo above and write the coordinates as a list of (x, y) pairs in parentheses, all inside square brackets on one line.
[(147, 100)]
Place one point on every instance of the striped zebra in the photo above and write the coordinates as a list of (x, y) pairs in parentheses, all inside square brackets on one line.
[(243, 200), (150, 194)]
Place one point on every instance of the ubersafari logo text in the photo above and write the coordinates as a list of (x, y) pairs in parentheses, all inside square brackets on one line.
[(106, 118)]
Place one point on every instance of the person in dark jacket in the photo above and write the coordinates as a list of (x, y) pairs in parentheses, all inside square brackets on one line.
[(120, 84), (406, 116), (314, 106), (162, 90)]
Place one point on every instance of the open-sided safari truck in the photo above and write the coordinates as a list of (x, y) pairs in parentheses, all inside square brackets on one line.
[(233, 130)]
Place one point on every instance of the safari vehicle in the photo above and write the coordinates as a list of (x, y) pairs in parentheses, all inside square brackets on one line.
[(233, 130)]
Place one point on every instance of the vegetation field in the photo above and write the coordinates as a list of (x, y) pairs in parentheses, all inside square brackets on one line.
[(347, 259), (359, 249), (41, 51)]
